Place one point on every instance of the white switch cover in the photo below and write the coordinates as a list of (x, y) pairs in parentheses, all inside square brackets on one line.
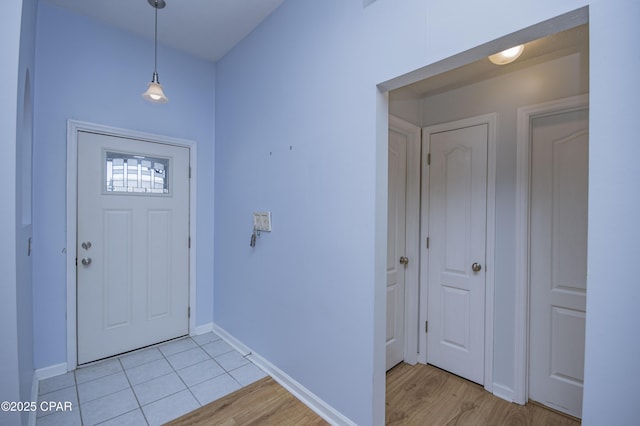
[(262, 221)]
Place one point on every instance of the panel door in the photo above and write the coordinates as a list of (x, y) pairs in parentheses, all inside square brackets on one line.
[(457, 237), (133, 251), (396, 232), (558, 263)]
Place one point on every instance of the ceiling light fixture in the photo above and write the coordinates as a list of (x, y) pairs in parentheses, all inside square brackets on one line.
[(154, 92), (507, 56)]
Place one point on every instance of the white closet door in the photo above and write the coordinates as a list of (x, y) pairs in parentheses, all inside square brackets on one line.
[(558, 264)]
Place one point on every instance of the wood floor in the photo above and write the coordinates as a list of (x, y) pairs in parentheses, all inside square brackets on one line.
[(416, 396), (426, 395), (264, 402)]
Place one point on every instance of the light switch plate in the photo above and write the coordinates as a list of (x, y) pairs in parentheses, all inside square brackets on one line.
[(262, 221)]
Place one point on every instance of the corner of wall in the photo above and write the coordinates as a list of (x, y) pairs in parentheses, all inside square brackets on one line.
[(303, 394)]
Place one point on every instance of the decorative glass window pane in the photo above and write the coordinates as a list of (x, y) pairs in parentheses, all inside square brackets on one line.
[(136, 174)]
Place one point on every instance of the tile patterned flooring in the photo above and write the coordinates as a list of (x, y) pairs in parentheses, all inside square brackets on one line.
[(150, 386)]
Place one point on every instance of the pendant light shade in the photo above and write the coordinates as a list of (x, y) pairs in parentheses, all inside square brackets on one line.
[(154, 92)]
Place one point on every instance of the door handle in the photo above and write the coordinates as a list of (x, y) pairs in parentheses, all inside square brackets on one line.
[(476, 267), (404, 260), (86, 261)]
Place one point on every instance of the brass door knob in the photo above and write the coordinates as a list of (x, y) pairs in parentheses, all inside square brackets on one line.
[(404, 260)]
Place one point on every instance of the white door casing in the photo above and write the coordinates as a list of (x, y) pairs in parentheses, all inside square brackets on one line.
[(558, 259), (73, 130), (402, 241), (458, 211)]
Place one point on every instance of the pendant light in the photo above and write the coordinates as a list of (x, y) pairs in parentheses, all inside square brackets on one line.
[(154, 91)]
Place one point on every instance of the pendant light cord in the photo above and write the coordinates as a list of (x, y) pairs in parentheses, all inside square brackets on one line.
[(154, 92), (155, 55)]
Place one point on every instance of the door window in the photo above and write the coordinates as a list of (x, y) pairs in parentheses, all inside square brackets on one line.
[(137, 174)]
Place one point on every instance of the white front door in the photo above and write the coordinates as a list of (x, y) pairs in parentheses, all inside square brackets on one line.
[(457, 250), (133, 244), (558, 263)]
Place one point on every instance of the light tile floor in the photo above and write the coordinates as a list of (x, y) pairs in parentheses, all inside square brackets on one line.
[(150, 386)]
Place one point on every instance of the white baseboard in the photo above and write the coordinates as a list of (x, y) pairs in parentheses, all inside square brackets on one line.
[(305, 396), (50, 371), (235, 343), (503, 392), (202, 329), (41, 374)]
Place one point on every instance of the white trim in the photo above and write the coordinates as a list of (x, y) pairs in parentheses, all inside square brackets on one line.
[(305, 396), (202, 329), (35, 386), (231, 340), (73, 127), (523, 174), (412, 236), (424, 253), (503, 392), (50, 371), (491, 120), (491, 250), (41, 374)]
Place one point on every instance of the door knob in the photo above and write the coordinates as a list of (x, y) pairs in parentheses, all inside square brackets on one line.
[(476, 267), (86, 245), (86, 261), (404, 260)]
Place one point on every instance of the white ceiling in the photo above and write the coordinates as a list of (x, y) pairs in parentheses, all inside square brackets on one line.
[(210, 28), (553, 46), (205, 28)]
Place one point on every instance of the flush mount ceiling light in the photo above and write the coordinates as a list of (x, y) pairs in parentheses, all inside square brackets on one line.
[(507, 56), (154, 91)]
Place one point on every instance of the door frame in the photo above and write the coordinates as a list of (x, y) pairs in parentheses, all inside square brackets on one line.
[(491, 121), (412, 236), (520, 394), (73, 127)]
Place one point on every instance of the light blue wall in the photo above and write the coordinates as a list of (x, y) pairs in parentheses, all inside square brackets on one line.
[(92, 72), (296, 114), (309, 295), (24, 227), (17, 48), (10, 380), (612, 370), (300, 132)]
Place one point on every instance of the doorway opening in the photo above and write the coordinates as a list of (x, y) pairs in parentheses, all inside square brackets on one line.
[(552, 67)]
